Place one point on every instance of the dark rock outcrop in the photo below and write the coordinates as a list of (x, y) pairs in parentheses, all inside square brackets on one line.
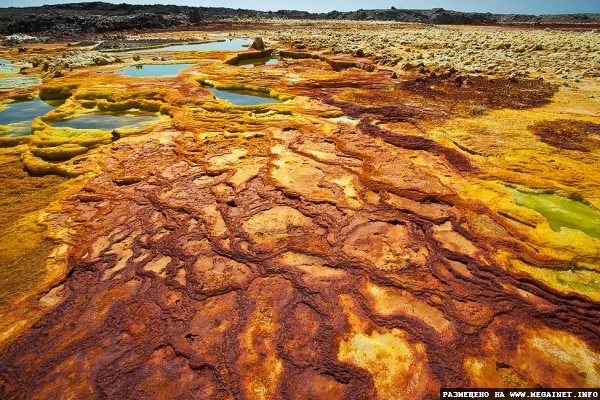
[(77, 18), (258, 44)]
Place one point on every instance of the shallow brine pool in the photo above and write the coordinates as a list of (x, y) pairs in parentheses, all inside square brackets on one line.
[(106, 122), (18, 116), (251, 63), (243, 97), (160, 71), (230, 44)]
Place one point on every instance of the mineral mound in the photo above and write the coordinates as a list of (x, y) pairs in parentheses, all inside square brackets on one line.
[(421, 214)]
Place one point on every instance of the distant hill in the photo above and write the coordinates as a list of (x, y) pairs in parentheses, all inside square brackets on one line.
[(98, 17)]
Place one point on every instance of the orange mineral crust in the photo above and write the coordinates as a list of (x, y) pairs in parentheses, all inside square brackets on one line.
[(354, 229)]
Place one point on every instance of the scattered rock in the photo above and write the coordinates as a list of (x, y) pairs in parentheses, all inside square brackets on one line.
[(339, 64), (100, 61), (258, 44), (448, 73)]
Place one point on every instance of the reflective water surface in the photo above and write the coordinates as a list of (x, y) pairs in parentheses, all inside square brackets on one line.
[(18, 116), (251, 63), (230, 44), (6, 67), (105, 122), (243, 97), (162, 70)]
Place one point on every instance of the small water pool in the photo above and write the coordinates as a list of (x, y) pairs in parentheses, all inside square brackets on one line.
[(18, 81), (7, 67), (251, 63), (106, 122), (243, 97), (230, 44), (561, 211), (18, 116), (160, 71)]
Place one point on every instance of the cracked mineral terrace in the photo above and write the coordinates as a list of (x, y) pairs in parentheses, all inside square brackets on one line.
[(416, 207)]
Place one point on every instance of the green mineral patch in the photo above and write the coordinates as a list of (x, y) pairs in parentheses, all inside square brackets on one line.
[(582, 281), (561, 211)]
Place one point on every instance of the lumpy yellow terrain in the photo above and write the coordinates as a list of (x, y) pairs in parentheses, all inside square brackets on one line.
[(421, 213)]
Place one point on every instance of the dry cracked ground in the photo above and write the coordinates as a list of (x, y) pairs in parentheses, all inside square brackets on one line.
[(419, 209)]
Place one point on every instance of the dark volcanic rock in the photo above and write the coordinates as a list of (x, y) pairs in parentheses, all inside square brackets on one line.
[(195, 16), (104, 17), (58, 22), (258, 44), (101, 17)]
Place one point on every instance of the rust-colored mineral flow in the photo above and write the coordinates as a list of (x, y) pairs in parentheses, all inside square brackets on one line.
[(419, 214)]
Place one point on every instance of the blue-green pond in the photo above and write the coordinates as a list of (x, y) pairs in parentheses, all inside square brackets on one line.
[(7, 67), (19, 82), (16, 80), (251, 63), (18, 116), (242, 97), (106, 122), (230, 44), (160, 71)]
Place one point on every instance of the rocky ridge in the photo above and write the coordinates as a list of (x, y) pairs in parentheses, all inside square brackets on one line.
[(98, 17)]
